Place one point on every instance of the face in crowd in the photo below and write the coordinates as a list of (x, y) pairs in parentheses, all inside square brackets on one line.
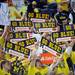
[(38, 64), (5, 65)]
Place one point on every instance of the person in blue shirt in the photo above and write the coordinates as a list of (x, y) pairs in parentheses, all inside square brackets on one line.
[(4, 14)]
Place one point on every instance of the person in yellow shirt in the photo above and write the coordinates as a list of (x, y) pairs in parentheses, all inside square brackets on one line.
[(63, 66), (36, 67), (23, 10), (13, 13), (2, 42), (60, 66), (72, 56), (69, 52), (3, 38)]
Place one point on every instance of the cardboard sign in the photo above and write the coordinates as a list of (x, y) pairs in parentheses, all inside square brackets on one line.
[(28, 42), (44, 25), (47, 58), (51, 45), (14, 47), (21, 24), (66, 35), (18, 35), (38, 15)]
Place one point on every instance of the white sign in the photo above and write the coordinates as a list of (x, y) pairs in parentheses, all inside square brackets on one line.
[(16, 40), (15, 53), (21, 29), (37, 20), (64, 39), (50, 50), (47, 30)]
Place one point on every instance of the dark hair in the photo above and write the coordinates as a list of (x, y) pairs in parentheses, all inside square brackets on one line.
[(3, 63), (73, 48), (3, 0), (1, 26), (37, 60)]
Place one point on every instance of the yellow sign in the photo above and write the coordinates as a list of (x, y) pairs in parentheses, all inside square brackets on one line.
[(51, 45), (38, 15), (63, 34), (16, 35), (45, 25), (17, 48), (21, 24), (27, 42)]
